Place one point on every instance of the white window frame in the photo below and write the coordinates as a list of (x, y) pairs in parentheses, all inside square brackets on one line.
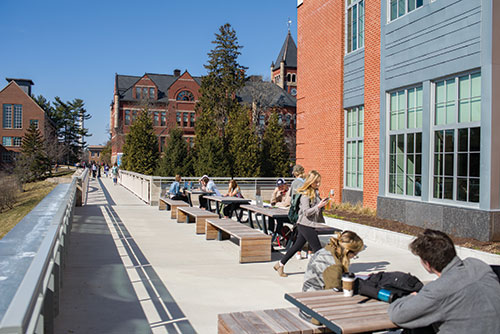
[(17, 122), (405, 132), (455, 127), (7, 124), (354, 139), (406, 9), (359, 45)]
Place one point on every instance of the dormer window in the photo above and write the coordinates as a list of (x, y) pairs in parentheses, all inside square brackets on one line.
[(151, 93), (185, 95)]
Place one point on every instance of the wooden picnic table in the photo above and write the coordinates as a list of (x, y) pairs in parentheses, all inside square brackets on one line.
[(220, 201), (197, 191), (272, 220), (357, 314)]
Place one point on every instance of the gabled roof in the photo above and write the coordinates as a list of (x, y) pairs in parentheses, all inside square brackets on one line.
[(288, 53), (125, 84), (268, 93)]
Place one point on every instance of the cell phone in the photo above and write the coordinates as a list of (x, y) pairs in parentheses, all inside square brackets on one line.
[(332, 192)]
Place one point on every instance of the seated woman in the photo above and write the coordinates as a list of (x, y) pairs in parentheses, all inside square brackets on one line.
[(279, 195), (326, 267), (175, 190), (234, 191)]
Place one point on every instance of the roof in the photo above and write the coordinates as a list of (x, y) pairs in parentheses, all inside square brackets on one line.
[(268, 93), (20, 80), (288, 53), (125, 84)]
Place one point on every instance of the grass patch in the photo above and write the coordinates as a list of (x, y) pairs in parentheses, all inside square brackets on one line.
[(33, 193)]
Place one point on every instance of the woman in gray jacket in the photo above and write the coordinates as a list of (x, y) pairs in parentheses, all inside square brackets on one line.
[(310, 216)]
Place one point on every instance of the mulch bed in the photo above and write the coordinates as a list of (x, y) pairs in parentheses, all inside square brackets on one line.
[(391, 225)]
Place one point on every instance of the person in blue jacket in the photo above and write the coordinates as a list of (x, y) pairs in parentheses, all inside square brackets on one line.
[(175, 190)]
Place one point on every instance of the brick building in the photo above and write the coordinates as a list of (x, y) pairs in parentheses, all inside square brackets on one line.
[(19, 111), (284, 69), (404, 95)]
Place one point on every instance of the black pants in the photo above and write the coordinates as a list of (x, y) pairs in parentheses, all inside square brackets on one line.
[(229, 209), (180, 198), (203, 202), (305, 234)]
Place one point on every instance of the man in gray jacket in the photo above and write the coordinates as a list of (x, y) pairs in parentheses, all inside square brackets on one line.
[(465, 298)]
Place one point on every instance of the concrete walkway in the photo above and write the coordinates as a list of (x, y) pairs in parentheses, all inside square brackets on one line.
[(130, 269)]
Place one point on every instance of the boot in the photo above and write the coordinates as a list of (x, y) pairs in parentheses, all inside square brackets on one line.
[(280, 269)]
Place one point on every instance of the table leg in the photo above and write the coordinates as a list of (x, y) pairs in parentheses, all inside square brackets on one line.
[(217, 208), (189, 199), (250, 219)]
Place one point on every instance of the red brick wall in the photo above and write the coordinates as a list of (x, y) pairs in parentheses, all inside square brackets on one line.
[(372, 104), (320, 116), (13, 94)]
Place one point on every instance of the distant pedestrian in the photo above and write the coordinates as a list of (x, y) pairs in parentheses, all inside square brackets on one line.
[(114, 172), (94, 170), (99, 170), (106, 170)]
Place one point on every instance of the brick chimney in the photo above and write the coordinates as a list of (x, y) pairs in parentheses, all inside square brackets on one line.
[(177, 73)]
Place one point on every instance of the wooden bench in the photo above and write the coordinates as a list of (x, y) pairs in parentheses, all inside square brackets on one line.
[(255, 246), (280, 321), (166, 203), (188, 214)]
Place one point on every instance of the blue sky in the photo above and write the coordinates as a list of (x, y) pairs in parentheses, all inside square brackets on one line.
[(72, 49)]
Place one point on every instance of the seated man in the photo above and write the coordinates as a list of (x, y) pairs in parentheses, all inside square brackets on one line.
[(175, 190), (207, 185), (465, 298), (279, 194)]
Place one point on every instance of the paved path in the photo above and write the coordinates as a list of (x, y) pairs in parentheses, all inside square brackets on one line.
[(131, 269)]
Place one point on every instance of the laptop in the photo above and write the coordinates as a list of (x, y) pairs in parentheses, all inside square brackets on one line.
[(258, 200)]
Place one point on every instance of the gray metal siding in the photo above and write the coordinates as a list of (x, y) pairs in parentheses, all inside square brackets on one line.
[(354, 79), (438, 39)]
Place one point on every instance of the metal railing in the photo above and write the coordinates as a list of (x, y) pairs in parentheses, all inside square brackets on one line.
[(150, 188), (32, 256)]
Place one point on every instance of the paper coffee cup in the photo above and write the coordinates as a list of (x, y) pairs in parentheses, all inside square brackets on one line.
[(348, 286)]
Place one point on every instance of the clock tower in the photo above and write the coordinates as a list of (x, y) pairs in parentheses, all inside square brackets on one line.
[(284, 69)]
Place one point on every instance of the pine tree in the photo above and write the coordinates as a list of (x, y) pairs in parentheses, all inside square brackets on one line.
[(217, 101), (140, 151), (243, 144), (176, 159), (33, 162), (275, 156)]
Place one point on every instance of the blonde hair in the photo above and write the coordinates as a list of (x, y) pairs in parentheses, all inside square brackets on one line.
[(307, 188), (346, 242), (233, 185)]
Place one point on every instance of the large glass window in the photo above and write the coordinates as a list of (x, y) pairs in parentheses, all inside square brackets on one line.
[(7, 141), (17, 141), (18, 116), (7, 116), (399, 8), (185, 119), (457, 137), (354, 147), (185, 95), (405, 142), (163, 118), (355, 32), (156, 118)]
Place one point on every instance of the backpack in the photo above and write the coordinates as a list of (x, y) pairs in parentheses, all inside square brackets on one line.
[(399, 284), (293, 212)]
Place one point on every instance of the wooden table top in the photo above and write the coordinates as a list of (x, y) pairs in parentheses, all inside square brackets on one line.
[(268, 211), (198, 192), (228, 199), (343, 314)]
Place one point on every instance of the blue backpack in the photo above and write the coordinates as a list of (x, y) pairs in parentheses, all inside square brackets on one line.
[(293, 212)]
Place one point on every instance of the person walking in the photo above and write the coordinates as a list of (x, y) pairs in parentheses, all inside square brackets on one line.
[(310, 215), (114, 172)]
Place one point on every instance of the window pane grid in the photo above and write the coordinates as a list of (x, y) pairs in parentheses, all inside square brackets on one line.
[(7, 116), (355, 20), (354, 147), (18, 116), (457, 149), (398, 8)]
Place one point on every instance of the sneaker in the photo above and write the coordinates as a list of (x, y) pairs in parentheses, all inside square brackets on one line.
[(298, 256), (303, 255)]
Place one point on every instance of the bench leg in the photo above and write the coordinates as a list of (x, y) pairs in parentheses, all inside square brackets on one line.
[(211, 231), (181, 217), (200, 225), (162, 205), (255, 250), (173, 212)]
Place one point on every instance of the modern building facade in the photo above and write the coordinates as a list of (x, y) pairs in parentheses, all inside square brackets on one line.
[(408, 90), (19, 111)]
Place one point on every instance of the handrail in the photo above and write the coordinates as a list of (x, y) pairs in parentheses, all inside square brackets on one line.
[(149, 188), (31, 258)]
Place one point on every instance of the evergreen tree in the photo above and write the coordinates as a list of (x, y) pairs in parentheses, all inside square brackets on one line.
[(275, 156), (140, 151), (33, 162), (243, 145), (217, 101), (176, 158)]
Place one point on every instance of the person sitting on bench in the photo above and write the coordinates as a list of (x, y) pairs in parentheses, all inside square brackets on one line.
[(175, 192), (465, 298)]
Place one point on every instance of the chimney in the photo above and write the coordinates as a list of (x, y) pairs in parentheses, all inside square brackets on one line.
[(25, 84), (177, 73)]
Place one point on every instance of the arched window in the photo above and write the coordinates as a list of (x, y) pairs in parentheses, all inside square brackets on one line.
[(288, 77), (293, 77), (185, 95)]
